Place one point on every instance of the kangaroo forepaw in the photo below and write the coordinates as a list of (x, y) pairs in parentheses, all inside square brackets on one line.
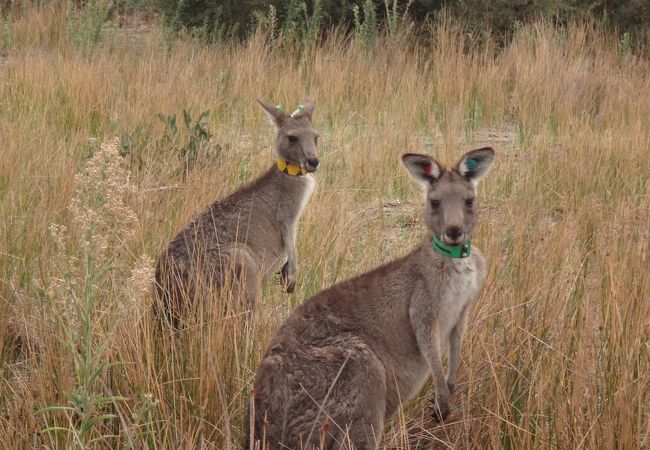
[(284, 272), (288, 281), (439, 410)]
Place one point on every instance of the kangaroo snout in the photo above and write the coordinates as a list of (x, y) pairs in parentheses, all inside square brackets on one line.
[(454, 233), (312, 164)]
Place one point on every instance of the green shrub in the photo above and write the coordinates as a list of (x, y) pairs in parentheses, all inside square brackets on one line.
[(306, 19)]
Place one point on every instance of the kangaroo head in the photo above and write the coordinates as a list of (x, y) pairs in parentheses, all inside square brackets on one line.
[(449, 202), (297, 139)]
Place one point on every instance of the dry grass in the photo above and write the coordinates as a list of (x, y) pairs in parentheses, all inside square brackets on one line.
[(557, 354)]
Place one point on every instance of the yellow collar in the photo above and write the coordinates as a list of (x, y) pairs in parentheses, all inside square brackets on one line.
[(289, 168)]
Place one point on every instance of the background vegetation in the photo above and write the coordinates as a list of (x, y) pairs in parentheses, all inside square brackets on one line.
[(115, 129), (498, 20)]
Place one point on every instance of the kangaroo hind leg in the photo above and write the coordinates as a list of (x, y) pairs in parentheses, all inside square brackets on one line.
[(244, 280)]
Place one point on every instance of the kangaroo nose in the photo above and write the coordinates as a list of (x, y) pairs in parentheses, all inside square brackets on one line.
[(454, 233), (313, 162)]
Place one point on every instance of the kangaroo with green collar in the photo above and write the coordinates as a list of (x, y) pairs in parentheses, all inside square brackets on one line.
[(242, 239), (346, 359)]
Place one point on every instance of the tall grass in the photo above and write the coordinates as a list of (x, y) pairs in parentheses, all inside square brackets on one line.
[(557, 351)]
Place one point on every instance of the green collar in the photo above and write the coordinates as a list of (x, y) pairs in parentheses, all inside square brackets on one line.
[(452, 251)]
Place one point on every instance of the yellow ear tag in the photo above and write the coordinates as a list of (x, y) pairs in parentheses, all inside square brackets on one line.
[(282, 164), (293, 169)]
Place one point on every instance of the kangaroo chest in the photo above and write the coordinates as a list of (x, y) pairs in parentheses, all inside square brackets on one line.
[(290, 208), (463, 286), (306, 194), (449, 295), (301, 202)]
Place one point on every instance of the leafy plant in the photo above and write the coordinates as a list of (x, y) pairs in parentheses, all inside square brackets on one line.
[(5, 38), (396, 23), (193, 141), (366, 29), (87, 309), (292, 17), (85, 24), (312, 23), (134, 145)]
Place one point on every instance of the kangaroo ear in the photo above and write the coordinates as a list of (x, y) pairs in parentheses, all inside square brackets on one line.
[(305, 109), (276, 115), (475, 164), (423, 168)]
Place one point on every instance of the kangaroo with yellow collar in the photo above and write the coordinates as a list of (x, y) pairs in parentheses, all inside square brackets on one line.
[(242, 239)]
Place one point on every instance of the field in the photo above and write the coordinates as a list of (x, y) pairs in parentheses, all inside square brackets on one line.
[(105, 153)]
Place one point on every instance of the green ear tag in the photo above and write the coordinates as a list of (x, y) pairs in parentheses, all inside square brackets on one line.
[(299, 108), (471, 164)]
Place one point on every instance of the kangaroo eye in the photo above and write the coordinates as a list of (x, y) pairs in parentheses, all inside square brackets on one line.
[(293, 139), (435, 204), (469, 202)]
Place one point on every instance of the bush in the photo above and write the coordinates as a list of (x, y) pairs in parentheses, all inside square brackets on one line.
[(503, 17), (237, 18)]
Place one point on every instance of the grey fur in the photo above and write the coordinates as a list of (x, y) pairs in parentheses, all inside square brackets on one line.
[(346, 359), (242, 239)]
